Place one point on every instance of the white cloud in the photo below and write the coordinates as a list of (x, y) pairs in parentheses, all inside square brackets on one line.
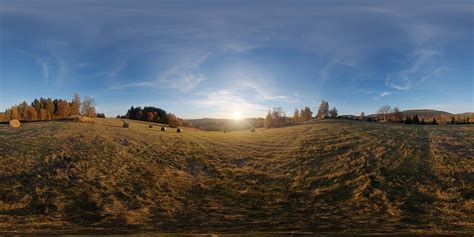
[(383, 94)]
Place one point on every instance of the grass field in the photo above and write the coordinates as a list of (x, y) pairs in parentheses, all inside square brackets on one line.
[(325, 176)]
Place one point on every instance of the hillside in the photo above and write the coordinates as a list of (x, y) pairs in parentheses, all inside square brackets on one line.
[(429, 114), (425, 113), (422, 113), (325, 176)]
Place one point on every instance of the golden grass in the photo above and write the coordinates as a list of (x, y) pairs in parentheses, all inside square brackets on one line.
[(325, 176)]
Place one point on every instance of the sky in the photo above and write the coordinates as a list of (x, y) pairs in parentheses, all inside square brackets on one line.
[(215, 58)]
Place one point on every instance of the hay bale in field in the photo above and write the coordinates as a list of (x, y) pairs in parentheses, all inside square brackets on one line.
[(163, 129), (150, 126), (179, 130), (252, 130), (125, 124), (15, 123)]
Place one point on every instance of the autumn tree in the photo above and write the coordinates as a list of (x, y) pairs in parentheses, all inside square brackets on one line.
[(396, 115), (333, 113), (37, 105), (296, 115), (31, 114), (88, 107), (43, 115), (76, 104), (49, 108), (173, 120), (323, 111), (15, 113), (268, 120), (156, 118), (62, 109), (149, 116), (7, 115), (22, 109), (307, 114)]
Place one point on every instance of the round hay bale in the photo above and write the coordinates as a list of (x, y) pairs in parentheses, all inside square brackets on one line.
[(179, 130), (163, 129), (150, 126), (252, 130), (125, 124), (15, 123)]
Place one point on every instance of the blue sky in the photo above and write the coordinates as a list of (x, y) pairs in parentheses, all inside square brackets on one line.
[(212, 58)]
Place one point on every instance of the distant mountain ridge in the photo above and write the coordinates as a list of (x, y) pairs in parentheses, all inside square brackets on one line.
[(429, 113)]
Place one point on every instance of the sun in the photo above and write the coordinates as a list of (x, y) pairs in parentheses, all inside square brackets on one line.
[(237, 115)]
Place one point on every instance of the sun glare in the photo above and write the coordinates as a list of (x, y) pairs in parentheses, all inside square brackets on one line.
[(237, 115)]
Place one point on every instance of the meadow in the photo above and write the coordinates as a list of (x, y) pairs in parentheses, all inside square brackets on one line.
[(332, 175)]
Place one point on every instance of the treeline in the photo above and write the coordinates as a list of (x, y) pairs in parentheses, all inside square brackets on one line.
[(394, 115), (49, 109), (277, 117), (153, 114)]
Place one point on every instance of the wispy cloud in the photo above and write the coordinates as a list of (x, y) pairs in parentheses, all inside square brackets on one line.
[(45, 68), (181, 77), (423, 66), (382, 94), (184, 77)]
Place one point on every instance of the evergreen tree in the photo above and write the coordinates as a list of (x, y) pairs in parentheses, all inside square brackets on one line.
[(434, 122), (37, 105), (416, 120), (408, 120)]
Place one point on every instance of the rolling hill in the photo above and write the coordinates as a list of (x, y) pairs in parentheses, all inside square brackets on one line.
[(331, 176)]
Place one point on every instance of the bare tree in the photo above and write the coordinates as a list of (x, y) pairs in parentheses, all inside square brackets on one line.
[(362, 116), (333, 112), (384, 111), (323, 111), (88, 107)]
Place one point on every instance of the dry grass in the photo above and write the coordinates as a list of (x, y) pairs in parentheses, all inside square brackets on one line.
[(326, 176)]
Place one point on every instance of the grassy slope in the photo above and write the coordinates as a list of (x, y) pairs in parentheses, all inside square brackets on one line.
[(331, 175)]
